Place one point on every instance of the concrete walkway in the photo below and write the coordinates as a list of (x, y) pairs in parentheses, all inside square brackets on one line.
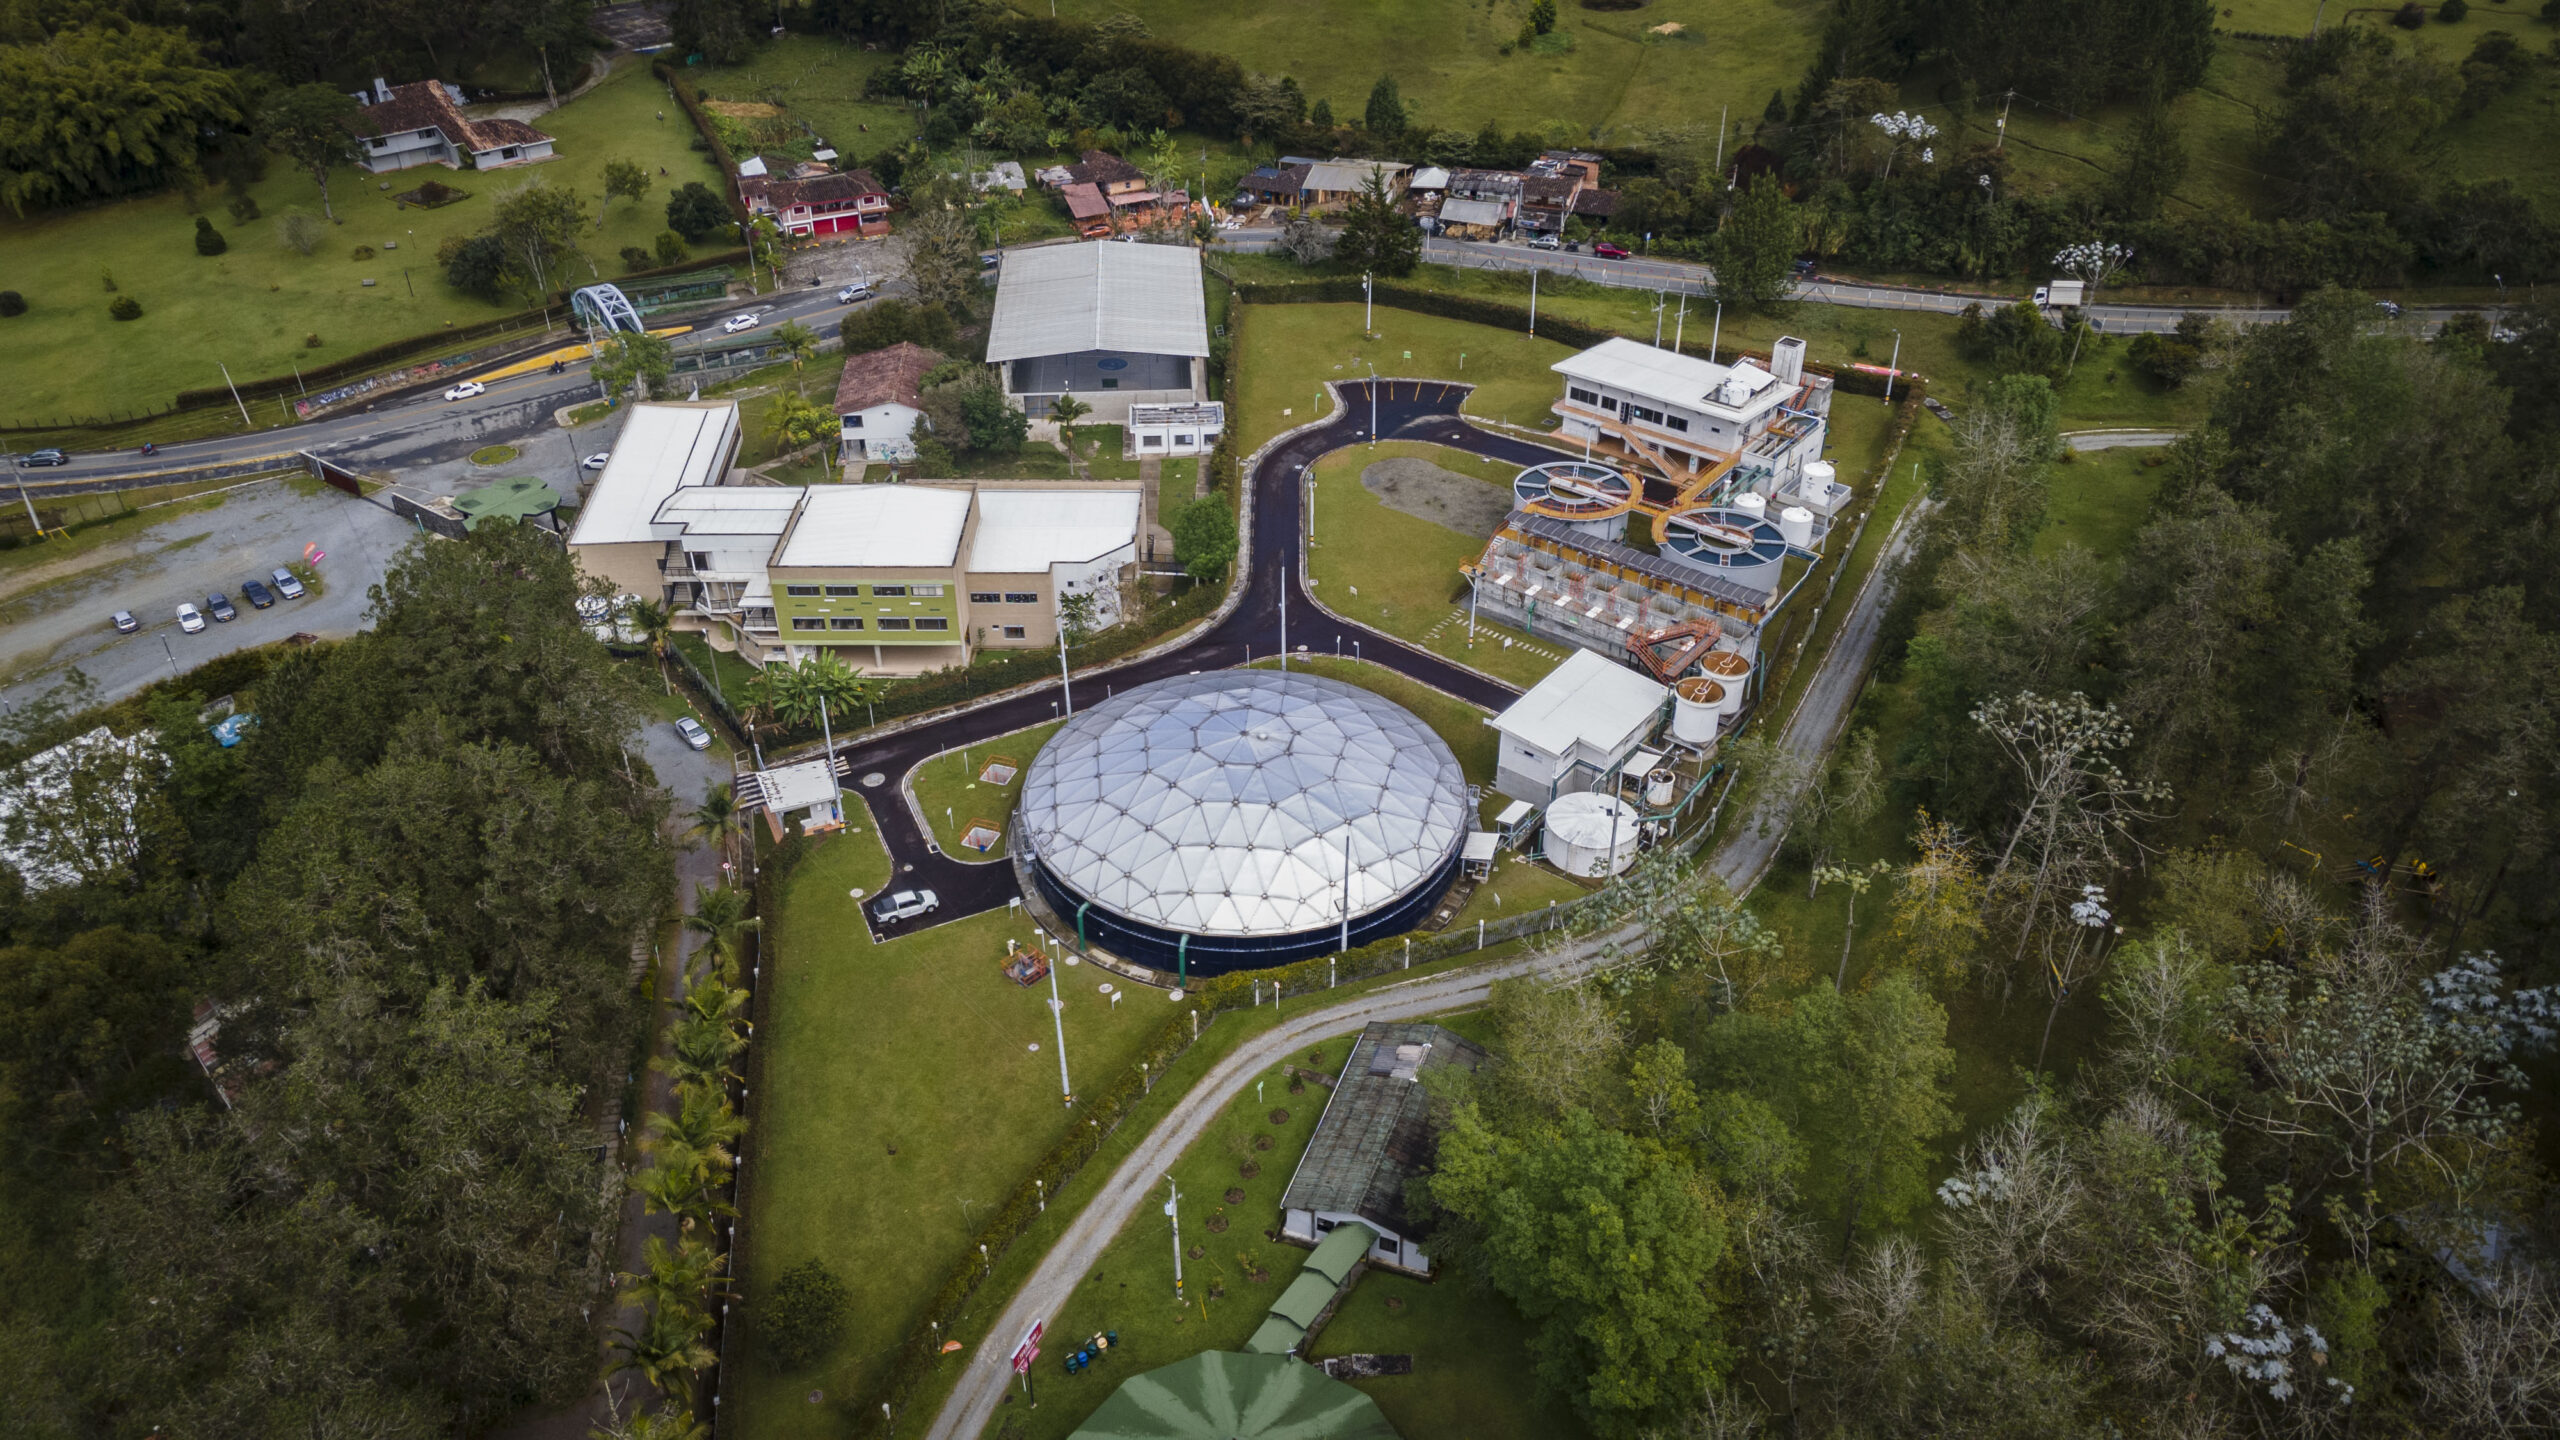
[(2086, 440)]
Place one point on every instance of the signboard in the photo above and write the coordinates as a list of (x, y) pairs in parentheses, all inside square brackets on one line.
[(1873, 369), (1029, 1349)]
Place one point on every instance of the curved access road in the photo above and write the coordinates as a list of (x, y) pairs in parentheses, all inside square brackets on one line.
[(1135, 1183)]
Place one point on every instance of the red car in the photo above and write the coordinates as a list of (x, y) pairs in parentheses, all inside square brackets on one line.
[(1608, 251)]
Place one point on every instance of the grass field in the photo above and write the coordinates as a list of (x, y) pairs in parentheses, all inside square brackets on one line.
[(1286, 353), (818, 81), (251, 307), (1616, 82), (2099, 500), (1469, 1348), (903, 1094), (1399, 574), (948, 788)]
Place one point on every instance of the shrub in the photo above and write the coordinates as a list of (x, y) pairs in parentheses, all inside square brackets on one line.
[(243, 207), (635, 258), (803, 1318), (696, 213), (125, 308), (209, 241), (2410, 16), (2452, 11), (670, 248), (362, 252), (108, 279), (12, 303), (436, 192), (311, 341), (299, 230)]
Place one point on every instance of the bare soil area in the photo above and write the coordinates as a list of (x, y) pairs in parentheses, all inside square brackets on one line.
[(1444, 497)]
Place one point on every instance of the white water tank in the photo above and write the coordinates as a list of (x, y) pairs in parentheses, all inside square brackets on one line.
[(1695, 704), (1751, 503), (1591, 835), (1786, 360), (1819, 477), (1660, 786), (1732, 670), (1796, 524)]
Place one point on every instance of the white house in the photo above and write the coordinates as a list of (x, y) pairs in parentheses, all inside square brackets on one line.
[(422, 123), (880, 402), (1113, 325), (1573, 728), (1176, 429)]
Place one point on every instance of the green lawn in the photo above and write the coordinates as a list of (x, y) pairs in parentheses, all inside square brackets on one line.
[(1617, 83), (820, 81), (2099, 500), (948, 788), (1470, 1373), (1398, 573), (251, 307), (901, 1097)]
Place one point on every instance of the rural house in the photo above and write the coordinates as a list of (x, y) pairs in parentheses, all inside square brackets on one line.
[(880, 401), (422, 123), (1374, 1137), (852, 202)]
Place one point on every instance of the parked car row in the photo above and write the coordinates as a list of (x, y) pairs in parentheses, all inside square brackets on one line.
[(259, 593)]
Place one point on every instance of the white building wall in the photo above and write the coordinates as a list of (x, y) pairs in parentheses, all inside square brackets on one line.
[(882, 432)]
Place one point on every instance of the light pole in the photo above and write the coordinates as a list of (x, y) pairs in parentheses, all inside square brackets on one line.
[(1368, 305), (1373, 403), (245, 422), (1173, 1212), (1892, 366), (1058, 1017), (1064, 692), (20, 473)]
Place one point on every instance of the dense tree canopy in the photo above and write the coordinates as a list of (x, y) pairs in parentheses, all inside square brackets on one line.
[(104, 109)]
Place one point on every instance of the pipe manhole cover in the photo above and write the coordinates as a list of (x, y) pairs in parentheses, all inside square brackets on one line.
[(874, 780)]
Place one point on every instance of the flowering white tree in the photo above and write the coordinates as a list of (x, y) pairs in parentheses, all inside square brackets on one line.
[(1903, 128), (2092, 261)]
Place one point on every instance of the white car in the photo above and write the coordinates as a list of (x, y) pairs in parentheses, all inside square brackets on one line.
[(598, 460), (858, 290), (2044, 295), (693, 733), (466, 390), (736, 323), (904, 905), (190, 619)]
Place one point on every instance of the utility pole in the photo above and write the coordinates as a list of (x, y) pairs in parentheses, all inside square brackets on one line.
[(1346, 889), (1892, 366), (245, 422), (1284, 619), (1721, 117), (1533, 297), (2002, 143), (1680, 326), (33, 524), (1058, 1017), (1064, 691), (1173, 1212), (1373, 405), (1715, 337)]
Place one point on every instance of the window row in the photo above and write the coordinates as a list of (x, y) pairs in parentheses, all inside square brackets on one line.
[(1003, 597), (883, 591), (884, 622)]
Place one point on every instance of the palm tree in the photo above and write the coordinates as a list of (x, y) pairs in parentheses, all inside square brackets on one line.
[(664, 1423), (718, 820), (801, 689), (685, 1274), (669, 1349), (720, 914), (796, 421), (714, 1001), (700, 1049), (1067, 410), (655, 624), (701, 1131), (672, 1190), (797, 341)]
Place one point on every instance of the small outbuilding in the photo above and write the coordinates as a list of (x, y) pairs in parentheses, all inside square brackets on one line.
[(880, 402), (1374, 1137), (1574, 727)]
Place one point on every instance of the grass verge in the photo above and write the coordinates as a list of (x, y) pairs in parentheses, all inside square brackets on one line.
[(952, 795)]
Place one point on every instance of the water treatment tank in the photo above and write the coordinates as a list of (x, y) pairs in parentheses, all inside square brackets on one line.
[(1660, 786), (1732, 542), (1592, 835), (1819, 477), (1732, 670), (1594, 499), (1695, 704), (1751, 503), (1795, 523)]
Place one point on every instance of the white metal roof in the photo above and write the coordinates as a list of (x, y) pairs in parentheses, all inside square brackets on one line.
[(1459, 210), (661, 449), (731, 509), (877, 526), (1668, 376), (797, 787), (1021, 531), (1338, 176), (1068, 299), (1222, 803), (1585, 701), (1430, 177)]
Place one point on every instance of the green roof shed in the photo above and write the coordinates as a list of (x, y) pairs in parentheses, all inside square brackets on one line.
[(1340, 1250), (1220, 1395), (519, 499)]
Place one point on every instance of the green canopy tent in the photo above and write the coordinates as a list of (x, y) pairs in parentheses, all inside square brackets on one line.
[(1217, 1395), (519, 499)]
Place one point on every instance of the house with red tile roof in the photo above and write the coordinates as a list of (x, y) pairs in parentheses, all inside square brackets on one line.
[(849, 203), (880, 402), (421, 123)]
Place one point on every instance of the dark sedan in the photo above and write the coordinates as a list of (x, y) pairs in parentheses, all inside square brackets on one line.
[(257, 594), (218, 605)]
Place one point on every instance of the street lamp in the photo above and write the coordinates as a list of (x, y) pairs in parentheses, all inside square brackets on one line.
[(1058, 1018), (1892, 366), (1373, 402), (20, 472)]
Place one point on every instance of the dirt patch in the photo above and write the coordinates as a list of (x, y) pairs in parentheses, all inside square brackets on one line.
[(742, 109), (1668, 27), (1444, 497)]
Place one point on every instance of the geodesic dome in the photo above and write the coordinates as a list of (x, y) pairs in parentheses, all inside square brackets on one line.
[(1235, 818)]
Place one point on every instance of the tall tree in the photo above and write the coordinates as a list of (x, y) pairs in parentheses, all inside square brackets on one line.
[(1385, 115), (1753, 252), (1375, 236), (106, 108), (315, 126)]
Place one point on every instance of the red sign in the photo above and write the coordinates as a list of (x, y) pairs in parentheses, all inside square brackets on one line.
[(1873, 369), (1029, 1349)]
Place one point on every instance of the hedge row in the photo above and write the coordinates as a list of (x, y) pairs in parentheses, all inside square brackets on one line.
[(681, 85), (1104, 1111)]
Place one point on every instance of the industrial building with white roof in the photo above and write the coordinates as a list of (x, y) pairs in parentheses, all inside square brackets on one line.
[(891, 579), (1111, 324)]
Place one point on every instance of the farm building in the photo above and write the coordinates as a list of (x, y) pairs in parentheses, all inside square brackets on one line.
[(422, 123), (1374, 1137)]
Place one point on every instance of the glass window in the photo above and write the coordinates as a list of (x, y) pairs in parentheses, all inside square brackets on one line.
[(804, 622), (888, 590), (1182, 440), (844, 589), (984, 597), (698, 559), (799, 589), (1013, 632), (927, 590), (932, 622), (1674, 422), (1110, 384), (845, 622), (1587, 397), (892, 622), (1151, 442), (853, 422), (1021, 597)]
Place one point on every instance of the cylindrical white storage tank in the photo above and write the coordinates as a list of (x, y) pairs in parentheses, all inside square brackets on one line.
[(1732, 670), (1591, 834), (1796, 523), (1660, 786), (1819, 476), (1695, 704), (1752, 503)]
